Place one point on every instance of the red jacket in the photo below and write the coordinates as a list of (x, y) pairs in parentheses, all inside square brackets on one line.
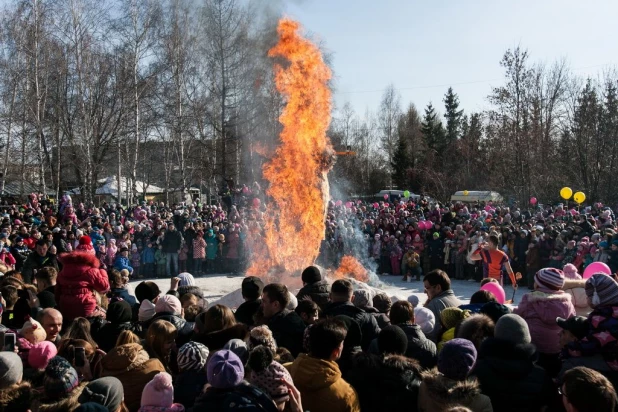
[(79, 278)]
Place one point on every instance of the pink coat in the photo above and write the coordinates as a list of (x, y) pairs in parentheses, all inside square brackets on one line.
[(540, 311), (79, 278)]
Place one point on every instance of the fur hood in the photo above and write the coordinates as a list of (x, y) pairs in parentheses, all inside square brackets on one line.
[(538, 296), (80, 259), (62, 405), (125, 358), (22, 394), (449, 391)]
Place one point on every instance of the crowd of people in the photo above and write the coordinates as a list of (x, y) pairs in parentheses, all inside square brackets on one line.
[(77, 336)]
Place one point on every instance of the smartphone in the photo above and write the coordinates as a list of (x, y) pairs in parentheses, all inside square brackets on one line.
[(9, 342), (80, 357)]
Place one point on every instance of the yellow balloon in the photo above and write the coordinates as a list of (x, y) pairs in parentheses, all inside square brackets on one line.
[(566, 193), (579, 197), (466, 193)]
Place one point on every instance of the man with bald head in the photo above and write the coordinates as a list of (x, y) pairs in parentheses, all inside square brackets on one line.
[(51, 319)]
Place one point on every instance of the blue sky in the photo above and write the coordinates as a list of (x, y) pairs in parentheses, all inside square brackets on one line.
[(417, 45)]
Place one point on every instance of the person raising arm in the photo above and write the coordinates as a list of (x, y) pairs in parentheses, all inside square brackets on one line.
[(494, 260)]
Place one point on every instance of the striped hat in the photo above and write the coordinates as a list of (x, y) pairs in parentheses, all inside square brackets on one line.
[(549, 280), (602, 290), (192, 356)]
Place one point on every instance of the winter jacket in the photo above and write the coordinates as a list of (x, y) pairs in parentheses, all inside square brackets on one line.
[(172, 241), (68, 403), (321, 386), (122, 293), (533, 259), (148, 255), (419, 347), (385, 384), (132, 366), (211, 247), (602, 337), (381, 318), (79, 278), (575, 288), (288, 330), (246, 311), (34, 261), (199, 248), (445, 299), (367, 322), (540, 311), (243, 397), (188, 385), (509, 377), (437, 392), (319, 292), (121, 263)]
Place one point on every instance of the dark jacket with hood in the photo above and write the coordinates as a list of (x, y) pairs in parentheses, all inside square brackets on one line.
[(508, 374), (381, 318), (368, 324), (419, 347), (437, 393), (184, 328), (246, 310), (288, 330), (242, 397), (217, 340), (318, 292)]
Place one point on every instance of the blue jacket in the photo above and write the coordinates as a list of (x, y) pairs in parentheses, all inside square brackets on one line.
[(122, 262), (148, 255)]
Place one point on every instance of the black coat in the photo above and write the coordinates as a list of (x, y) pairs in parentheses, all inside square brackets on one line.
[(242, 397), (188, 386), (419, 347), (244, 313), (172, 241), (318, 292), (184, 328), (217, 340), (288, 330), (508, 374), (368, 324)]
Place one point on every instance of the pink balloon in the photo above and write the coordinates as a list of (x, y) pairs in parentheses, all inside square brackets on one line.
[(596, 267), (385, 197), (496, 290), (348, 205), (376, 205), (338, 203), (428, 224), (487, 208), (533, 200), (421, 225)]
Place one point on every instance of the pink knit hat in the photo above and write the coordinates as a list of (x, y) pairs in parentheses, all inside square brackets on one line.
[(168, 303), (41, 353), (570, 272), (550, 280), (159, 392)]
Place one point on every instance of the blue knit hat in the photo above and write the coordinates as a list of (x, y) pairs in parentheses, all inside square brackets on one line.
[(456, 359), (60, 378)]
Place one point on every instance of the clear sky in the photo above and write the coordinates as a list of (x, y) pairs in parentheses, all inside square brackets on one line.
[(417, 45)]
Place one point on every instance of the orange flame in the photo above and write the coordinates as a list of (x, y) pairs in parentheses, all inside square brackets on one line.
[(298, 190), (351, 268)]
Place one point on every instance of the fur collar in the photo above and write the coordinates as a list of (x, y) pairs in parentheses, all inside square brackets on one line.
[(80, 259), (574, 283), (20, 394), (449, 390), (538, 296)]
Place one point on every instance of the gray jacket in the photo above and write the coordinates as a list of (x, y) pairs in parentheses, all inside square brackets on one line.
[(446, 299)]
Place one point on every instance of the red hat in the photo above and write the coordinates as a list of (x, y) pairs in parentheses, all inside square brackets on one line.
[(85, 240)]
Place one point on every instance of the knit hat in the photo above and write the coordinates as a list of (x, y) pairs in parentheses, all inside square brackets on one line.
[(119, 312), (186, 279), (577, 325), (267, 374), (602, 290), (494, 310), (413, 299), (311, 275), (512, 328), (456, 359), (225, 370), (11, 369), (85, 245), (604, 244), (107, 391), (60, 378), (146, 311), (549, 280), (159, 391), (262, 335), (392, 340), (168, 303), (570, 272), (192, 356), (425, 318), (41, 353), (252, 286), (362, 298), (382, 302), (239, 347), (450, 317)]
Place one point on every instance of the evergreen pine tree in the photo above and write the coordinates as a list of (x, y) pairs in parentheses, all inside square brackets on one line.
[(453, 116)]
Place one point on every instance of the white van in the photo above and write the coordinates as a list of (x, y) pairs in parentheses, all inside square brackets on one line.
[(473, 196)]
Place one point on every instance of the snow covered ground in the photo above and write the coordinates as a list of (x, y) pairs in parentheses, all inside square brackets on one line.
[(216, 286)]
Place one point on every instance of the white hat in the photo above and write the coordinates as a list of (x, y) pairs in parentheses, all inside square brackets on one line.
[(424, 318)]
